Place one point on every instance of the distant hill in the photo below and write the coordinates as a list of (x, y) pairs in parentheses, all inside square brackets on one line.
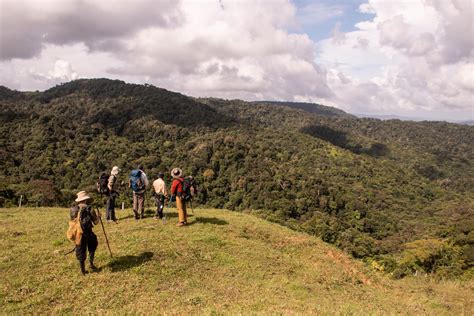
[(310, 108), (399, 194), (471, 122)]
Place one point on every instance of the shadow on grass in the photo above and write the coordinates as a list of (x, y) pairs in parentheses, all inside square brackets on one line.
[(175, 215), (127, 262), (211, 220)]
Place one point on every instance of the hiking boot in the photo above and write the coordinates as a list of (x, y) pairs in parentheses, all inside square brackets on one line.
[(91, 263), (83, 267)]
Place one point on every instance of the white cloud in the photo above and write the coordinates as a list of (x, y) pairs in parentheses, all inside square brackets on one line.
[(27, 25), (235, 49), (416, 59), (409, 57)]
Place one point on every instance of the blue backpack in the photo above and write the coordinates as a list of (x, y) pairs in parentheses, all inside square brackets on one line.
[(136, 182)]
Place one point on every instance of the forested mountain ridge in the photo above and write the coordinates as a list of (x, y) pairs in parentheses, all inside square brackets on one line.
[(310, 107), (399, 194)]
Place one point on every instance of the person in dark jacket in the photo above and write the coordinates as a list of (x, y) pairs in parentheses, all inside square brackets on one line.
[(88, 218)]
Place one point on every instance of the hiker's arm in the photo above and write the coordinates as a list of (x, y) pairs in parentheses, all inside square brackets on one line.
[(94, 216), (110, 183), (174, 186), (165, 191), (145, 180)]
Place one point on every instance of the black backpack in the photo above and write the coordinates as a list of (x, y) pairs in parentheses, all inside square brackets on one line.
[(102, 184), (187, 184)]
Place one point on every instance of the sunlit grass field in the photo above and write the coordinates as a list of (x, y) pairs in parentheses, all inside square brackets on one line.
[(223, 262)]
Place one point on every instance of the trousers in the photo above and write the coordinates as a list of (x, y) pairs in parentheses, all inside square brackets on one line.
[(110, 208), (138, 204), (181, 206), (160, 204), (88, 242)]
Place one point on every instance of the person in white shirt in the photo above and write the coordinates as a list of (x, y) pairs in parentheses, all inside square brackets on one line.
[(159, 193), (112, 194)]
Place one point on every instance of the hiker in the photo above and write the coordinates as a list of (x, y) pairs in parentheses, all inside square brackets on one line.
[(160, 193), (138, 182), (177, 194), (111, 195), (88, 241)]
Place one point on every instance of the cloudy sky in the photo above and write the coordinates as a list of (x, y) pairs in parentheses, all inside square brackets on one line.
[(406, 57)]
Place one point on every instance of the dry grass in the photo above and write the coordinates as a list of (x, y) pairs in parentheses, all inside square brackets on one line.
[(223, 262)]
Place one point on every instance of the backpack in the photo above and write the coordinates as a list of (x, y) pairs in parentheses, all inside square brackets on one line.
[(74, 232), (187, 184), (102, 184), (136, 182)]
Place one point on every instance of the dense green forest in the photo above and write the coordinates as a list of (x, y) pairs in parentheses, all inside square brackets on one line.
[(398, 194)]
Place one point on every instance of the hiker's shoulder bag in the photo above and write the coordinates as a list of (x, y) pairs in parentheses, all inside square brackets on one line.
[(74, 232)]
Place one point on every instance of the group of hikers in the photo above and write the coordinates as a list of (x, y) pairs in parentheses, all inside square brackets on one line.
[(84, 217)]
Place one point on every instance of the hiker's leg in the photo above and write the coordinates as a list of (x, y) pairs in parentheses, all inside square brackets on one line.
[(92, 244), (81, 253), (185, 212), (135, 205), (112, 207), (82, 265), (141, 204), (179, 206), (157, 202), (161, 206), (108, 212)]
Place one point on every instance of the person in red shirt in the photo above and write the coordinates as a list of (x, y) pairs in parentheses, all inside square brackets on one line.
[(177, 193)]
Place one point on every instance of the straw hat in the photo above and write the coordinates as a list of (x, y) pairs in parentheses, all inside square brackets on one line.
[(115, 170), (176, 173), (82, 196)]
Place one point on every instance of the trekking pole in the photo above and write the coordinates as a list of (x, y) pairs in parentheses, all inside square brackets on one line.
[(70, 251), (191, 203), (105, 235)]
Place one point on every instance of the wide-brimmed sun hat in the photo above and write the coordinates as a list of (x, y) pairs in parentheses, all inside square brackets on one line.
[(176, 173), (115, 170), (82, 196)]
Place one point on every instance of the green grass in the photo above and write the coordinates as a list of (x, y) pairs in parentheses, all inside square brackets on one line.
[(224, 262)]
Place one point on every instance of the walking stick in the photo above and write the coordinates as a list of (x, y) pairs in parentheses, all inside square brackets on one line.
[(70, 251), (105, 235), (191, 203)]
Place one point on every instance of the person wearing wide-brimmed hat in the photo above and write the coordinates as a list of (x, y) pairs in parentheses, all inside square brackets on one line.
[(112, 194), (88, 218), (177, 193)]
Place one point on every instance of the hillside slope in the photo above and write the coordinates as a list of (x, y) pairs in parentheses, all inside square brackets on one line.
[(223, 262)]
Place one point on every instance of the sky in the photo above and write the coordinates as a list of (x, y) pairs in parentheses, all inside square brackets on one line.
[(412, 58)]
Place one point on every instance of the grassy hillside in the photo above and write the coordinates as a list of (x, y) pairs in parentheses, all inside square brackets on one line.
[(223, 262)]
